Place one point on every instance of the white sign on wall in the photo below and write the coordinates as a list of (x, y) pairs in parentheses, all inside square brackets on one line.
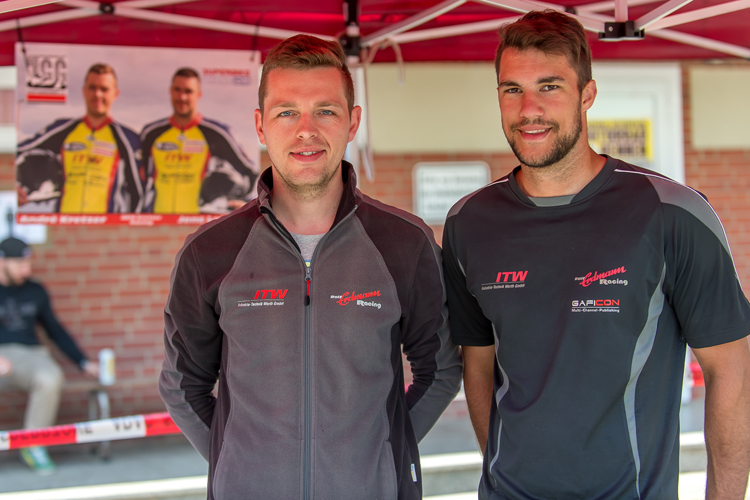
[(438, 186), (649, 94)]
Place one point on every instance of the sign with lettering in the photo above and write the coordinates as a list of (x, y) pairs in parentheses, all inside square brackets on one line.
[(438, 186), (140, 136)]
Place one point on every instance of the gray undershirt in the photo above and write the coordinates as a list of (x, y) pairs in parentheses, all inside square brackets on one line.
[(552, 201), (307, 244)]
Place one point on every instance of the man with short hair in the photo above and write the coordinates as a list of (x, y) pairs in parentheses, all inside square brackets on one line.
[(574, 284), (299, 304), (193, 164), (24, 363), (84, 165)]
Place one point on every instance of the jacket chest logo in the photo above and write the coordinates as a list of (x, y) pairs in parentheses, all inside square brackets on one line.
[(359, 299), (604, 278), (265, 298)]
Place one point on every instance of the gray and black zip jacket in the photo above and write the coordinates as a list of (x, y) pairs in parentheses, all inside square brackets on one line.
[(311, 401)]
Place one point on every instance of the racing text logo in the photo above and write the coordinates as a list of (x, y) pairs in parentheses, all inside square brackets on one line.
[(602, 278), (358, 299)]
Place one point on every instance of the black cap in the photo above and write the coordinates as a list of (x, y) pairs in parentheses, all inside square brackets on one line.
[(13, 248)]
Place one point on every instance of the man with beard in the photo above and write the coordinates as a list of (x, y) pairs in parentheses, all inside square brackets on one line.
[(300, 304), (24, 363), (574, 284)]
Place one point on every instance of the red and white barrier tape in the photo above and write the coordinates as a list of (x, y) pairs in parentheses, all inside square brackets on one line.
[(111, 429)]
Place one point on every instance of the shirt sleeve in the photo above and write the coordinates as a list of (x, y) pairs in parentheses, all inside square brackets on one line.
[(55, 330), (701, 281), (192, 341), (435, 361), (469, 326)]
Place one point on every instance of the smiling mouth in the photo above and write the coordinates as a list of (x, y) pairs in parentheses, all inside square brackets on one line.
[(307, 153)]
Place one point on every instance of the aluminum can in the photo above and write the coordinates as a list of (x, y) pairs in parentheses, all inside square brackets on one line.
[(106, 367)]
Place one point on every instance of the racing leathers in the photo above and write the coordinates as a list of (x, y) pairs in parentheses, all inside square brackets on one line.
[(195, 168), (311, 400), (73, 167)]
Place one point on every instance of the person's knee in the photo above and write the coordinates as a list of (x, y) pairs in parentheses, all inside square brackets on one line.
[(50, 380)]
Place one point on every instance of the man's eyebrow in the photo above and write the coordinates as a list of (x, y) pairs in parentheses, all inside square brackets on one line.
[(290, 104), (546, 79), (327, 104), (287, 104)]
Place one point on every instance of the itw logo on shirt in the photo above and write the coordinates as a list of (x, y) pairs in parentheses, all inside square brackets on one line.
[(511, 276)]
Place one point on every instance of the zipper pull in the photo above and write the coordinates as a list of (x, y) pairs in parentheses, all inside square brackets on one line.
[(307, 281)]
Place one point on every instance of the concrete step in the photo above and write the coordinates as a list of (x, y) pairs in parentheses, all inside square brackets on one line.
[(445, 477)]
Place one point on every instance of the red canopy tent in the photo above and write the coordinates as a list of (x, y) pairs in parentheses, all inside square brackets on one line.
[(419, 30)]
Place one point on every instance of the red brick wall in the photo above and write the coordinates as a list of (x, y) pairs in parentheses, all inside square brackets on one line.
[(724, 177), (109, 285)]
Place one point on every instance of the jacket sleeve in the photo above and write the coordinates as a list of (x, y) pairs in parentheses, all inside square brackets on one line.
[(435, 361), (193, 342), (56, 332)]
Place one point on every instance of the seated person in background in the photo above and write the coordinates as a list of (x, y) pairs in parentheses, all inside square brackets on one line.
[(193, 164), (24, 363), (82, 165)]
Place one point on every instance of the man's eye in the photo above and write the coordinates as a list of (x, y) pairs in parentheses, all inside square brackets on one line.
[(285, 113), (550, 87), (326, 112), (512, 90)]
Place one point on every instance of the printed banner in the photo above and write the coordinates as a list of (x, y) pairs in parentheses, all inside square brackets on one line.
[(133, 135)]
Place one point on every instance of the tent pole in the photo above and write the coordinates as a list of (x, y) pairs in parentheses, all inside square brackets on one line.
[(12, 5), (699, 14), (411, 22), (660, 12), (79, 13)]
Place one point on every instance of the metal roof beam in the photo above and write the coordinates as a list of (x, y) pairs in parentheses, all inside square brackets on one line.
[(621, 11), (493, 24), (52, 17), (658, 13), (78, 13), (528, 5), (190, 21), (704, 43), (699, 14), (608, 5), (455, 30), (411, 22), (12, 5)]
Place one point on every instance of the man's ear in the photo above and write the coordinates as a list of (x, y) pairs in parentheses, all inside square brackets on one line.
[(259, 126), (354, 120), (588, 96)]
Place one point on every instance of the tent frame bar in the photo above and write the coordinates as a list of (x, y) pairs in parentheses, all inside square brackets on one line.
[(655, 22)]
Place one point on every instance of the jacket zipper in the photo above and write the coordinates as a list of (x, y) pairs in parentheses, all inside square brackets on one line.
[(308, 386), (307, 470)]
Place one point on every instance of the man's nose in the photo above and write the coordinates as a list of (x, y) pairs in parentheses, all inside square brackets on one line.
[(531, 105), (306, 126)]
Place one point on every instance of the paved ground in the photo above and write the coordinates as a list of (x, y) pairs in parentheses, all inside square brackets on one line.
[(172, 457)]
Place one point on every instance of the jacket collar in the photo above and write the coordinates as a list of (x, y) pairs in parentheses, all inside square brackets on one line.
[(350, 198)]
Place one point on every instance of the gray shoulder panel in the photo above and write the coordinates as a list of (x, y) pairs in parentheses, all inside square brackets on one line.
[(673, 193), (460, 203)]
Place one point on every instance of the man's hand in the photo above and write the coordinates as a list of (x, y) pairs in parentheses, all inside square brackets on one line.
[(91, 369), (479, 383), (726, 370), (5, 366)]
